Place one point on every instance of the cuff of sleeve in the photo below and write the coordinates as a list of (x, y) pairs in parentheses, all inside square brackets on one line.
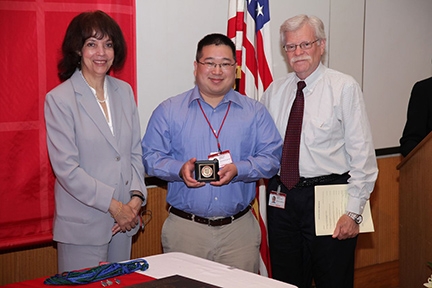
[(243, 169), (104, 194), (140, 195), (355, 205), (175, 176)]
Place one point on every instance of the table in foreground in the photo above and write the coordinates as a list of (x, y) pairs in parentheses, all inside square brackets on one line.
[(163, 265), (169, 264)]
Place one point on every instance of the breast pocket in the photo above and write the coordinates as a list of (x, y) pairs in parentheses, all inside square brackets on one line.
[(320, 131)]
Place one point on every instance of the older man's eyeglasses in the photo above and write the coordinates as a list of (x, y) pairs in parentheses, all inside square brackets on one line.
[(303, 46), (211, 65)]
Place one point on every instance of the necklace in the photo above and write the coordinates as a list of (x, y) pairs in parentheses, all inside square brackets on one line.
[(103, 100), (94, 90)]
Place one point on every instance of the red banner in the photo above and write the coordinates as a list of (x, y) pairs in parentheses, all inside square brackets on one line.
[(31, 33)]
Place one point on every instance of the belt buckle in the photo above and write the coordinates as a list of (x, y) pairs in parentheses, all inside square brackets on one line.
[(220, 222), (214, 223), (201, 220), (301, 183)]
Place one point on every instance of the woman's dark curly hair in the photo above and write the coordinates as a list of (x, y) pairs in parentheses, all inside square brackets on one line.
[(96, 24)]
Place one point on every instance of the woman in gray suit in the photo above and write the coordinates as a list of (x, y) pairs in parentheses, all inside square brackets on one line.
[(93, 137)]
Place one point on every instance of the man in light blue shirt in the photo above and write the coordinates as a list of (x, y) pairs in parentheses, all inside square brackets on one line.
[(212, 219)]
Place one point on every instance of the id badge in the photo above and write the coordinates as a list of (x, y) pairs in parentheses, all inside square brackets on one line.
[(224, 158), (277, 199)]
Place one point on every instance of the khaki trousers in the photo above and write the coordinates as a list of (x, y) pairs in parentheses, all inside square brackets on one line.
[(236, 244)]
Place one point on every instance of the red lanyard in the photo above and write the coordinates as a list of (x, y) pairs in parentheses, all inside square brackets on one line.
[(211, 127)]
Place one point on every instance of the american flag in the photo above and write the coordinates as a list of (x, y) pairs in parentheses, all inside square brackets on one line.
[(249, 28)]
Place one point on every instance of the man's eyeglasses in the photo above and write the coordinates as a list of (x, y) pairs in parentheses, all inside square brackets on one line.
[(303, 46), (212, 65)]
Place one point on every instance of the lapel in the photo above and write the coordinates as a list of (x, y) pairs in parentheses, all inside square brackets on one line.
[(115, 105), (86, 99)]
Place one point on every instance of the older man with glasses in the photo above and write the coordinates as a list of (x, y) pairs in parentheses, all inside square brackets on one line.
[(211, 144), (321, 115)]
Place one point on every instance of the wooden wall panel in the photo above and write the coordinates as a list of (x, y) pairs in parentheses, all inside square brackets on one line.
[(26, 264), (383, 275), (148, 243), (382, 245), (377, 253)]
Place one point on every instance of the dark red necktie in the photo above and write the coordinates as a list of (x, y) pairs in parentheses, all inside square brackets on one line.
[(289, 173)]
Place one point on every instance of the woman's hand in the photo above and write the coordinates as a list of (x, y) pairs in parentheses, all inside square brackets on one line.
[(125, 215)]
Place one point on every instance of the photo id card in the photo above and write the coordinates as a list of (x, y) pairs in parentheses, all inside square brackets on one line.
[(277, 199), (223, 157)]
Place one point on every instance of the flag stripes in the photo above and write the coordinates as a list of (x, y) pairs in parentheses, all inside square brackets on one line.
[(248, 27)]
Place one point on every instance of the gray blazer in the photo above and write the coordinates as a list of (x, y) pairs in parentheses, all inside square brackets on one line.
[(91, 165)]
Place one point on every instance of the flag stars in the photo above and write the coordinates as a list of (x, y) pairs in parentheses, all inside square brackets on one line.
[(259, 9)]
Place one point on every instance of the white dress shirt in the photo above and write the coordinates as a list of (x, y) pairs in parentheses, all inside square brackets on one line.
[(336, 135)]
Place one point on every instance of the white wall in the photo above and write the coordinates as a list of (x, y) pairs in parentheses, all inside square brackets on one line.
[(167, 34), (385, 44), (397, 53), (167, 38)]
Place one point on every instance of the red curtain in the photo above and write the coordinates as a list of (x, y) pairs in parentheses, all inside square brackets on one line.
[(31, 33)]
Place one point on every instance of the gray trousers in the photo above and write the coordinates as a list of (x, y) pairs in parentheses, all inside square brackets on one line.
[(236, 244), (75, 257)]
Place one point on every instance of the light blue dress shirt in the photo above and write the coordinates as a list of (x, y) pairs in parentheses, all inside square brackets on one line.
[(178, 131)]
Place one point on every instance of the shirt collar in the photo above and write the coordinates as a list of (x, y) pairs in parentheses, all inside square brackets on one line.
[(231, 96), (312, 79)]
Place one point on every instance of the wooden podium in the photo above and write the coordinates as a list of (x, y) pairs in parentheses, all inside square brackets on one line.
[(415, 223)]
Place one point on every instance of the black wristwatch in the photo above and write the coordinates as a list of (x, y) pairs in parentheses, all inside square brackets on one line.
[(356, 217)]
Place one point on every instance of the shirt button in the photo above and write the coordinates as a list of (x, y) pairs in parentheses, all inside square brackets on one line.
[(127, 182), (117, 158)]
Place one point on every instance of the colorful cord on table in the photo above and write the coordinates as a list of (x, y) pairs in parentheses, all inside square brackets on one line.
[(97, 273)]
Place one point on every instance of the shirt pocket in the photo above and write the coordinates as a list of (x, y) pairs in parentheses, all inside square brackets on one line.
[(319, 131)]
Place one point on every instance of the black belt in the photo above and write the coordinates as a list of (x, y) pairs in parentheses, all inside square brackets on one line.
[(312, 181), (210, 222), (307, 182)]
